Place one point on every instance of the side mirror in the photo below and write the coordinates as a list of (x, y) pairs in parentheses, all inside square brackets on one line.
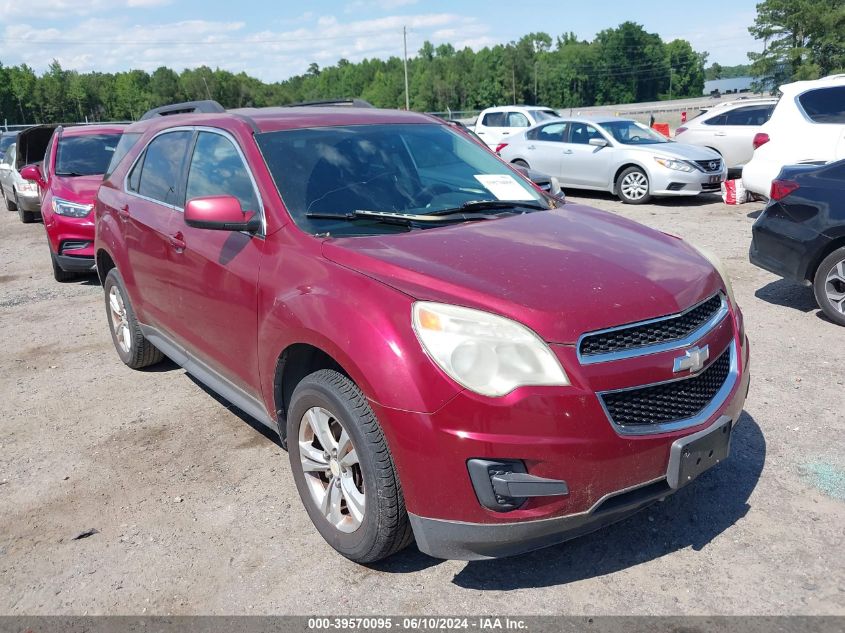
[(599, 142), (220, 213), (32, 172)]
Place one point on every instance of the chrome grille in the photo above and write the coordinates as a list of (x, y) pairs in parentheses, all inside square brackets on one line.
[(670, 402), (710, 166)]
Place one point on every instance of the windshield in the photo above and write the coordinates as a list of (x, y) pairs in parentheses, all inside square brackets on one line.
[(85, 155), (633, 133), (545, 115), (417, 169)]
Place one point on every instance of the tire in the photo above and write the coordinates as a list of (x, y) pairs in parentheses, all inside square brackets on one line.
[(59, 274), (10, 206), (520, 163), (27, 217), (630, 184), (138, 352), (829, 286), (365, 519)]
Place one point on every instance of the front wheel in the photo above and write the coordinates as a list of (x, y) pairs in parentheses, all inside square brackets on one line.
[(10, 206), (632, 187), (520, 163), (829, 286), (27, 217), (343, 469)]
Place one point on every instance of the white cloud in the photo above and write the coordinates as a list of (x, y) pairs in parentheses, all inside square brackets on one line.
[(115, 44), (384, 5), (46, 9)]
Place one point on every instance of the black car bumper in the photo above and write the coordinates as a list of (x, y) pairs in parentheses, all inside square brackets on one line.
[(784, 246), (75, 264)]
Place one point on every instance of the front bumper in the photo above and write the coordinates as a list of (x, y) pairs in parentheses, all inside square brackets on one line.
[(71, 240), (671, 182), (784, 246)]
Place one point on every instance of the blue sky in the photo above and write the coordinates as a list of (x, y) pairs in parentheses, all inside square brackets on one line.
[(275, 42)]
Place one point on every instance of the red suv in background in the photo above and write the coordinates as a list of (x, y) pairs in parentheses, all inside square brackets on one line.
[(72, 169), (447, 352)]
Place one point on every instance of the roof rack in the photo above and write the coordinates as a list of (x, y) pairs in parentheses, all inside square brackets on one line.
[(351, 103), (188, 107)]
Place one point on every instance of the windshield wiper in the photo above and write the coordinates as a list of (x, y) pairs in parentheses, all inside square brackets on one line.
[(405, 219), (477, 206), (70, 174)]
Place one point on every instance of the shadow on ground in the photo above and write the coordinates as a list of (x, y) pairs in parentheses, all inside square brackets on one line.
[(583, 196), (692, 517), (789, 295)]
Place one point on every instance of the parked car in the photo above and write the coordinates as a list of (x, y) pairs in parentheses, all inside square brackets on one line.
[(547, 183), (19, 194), (801, 233), (494, 124), (74, 161), (447, 353), (728, 129), (617, 155), (807, 126)]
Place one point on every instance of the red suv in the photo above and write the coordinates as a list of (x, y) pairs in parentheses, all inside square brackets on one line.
[(448, 353), (74, 161)]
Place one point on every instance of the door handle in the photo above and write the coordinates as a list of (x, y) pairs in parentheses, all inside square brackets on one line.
[(531, 147), (123, 212), (567, 151), (720, 134), (177, 241)]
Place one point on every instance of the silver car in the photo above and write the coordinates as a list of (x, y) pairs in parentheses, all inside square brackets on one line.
[(19, 195), (617, 155), (728, 128)]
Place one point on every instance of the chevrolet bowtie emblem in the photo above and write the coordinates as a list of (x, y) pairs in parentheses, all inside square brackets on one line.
[(692, 360)]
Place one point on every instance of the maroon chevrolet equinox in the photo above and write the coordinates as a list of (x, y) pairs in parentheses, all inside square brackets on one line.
[(449, 354)]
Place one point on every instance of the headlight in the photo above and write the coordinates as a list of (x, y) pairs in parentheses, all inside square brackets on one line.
[(671, 163), (71, 209), (720, 268), (27, 187), (487, 354)]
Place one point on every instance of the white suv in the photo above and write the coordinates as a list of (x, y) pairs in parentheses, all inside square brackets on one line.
[(807, 126), (728, 128), (494, 124)]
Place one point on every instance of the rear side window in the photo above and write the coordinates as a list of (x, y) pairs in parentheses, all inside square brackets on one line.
[(824, 105), (749, 115), (217, 170), (495, 119), (159, 173), (126, 142)]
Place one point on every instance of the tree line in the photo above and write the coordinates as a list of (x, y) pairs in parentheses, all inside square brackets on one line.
[(620, 65)]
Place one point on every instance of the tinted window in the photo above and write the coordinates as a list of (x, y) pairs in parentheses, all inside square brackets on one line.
[(581, 133), (749, 115), (824, 105), (161, 167), (217, 169), (495, 119), (517, 119), (632, 133), (720, 119), (338, 170), (126, 142), (87, 155), (555, 132)]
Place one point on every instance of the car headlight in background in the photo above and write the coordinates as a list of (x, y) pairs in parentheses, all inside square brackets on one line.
[(720, 268), (27, 187), (672, 163), (71, 209), (486, 353)]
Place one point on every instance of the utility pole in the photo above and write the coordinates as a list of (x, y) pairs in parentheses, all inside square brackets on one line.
[(670, 83), (513, 81), (407, 94), (536, 62)]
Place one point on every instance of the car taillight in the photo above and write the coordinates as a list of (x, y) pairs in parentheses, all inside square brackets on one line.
[(680, 130), (782, 188), (500, 147), (761, 138)]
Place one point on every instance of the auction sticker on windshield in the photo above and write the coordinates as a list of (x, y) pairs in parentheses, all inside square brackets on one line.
[(504, 187)]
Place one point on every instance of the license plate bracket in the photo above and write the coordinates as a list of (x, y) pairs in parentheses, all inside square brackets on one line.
[(715, 179), (692, 455)]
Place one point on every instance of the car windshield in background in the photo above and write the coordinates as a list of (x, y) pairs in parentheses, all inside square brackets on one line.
[(545, 115), (633, 133), (397, 169), (5, 142), (85, 155)]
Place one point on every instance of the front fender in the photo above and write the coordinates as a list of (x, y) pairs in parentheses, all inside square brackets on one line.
[(109, 236), (363, 324)]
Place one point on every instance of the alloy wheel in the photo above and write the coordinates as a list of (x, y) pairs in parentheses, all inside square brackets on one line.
[(634, 185), (332, 471), (119, 320), (834, 287)]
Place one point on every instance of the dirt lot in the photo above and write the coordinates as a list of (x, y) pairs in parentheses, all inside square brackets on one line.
[(196, 511)]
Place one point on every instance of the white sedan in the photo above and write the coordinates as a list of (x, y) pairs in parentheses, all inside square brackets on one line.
[(616, 155)]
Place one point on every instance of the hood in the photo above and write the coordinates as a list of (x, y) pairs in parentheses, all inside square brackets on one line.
[(678, 150), (79, 189), (561, 273)]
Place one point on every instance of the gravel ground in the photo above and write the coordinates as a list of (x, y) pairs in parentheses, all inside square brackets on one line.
[(195, 510)]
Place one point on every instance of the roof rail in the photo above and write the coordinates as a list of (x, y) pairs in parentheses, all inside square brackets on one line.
[(188, 107), (351, 103)]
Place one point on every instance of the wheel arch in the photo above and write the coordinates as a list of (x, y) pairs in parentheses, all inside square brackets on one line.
[(813, 266), (625, 166)]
